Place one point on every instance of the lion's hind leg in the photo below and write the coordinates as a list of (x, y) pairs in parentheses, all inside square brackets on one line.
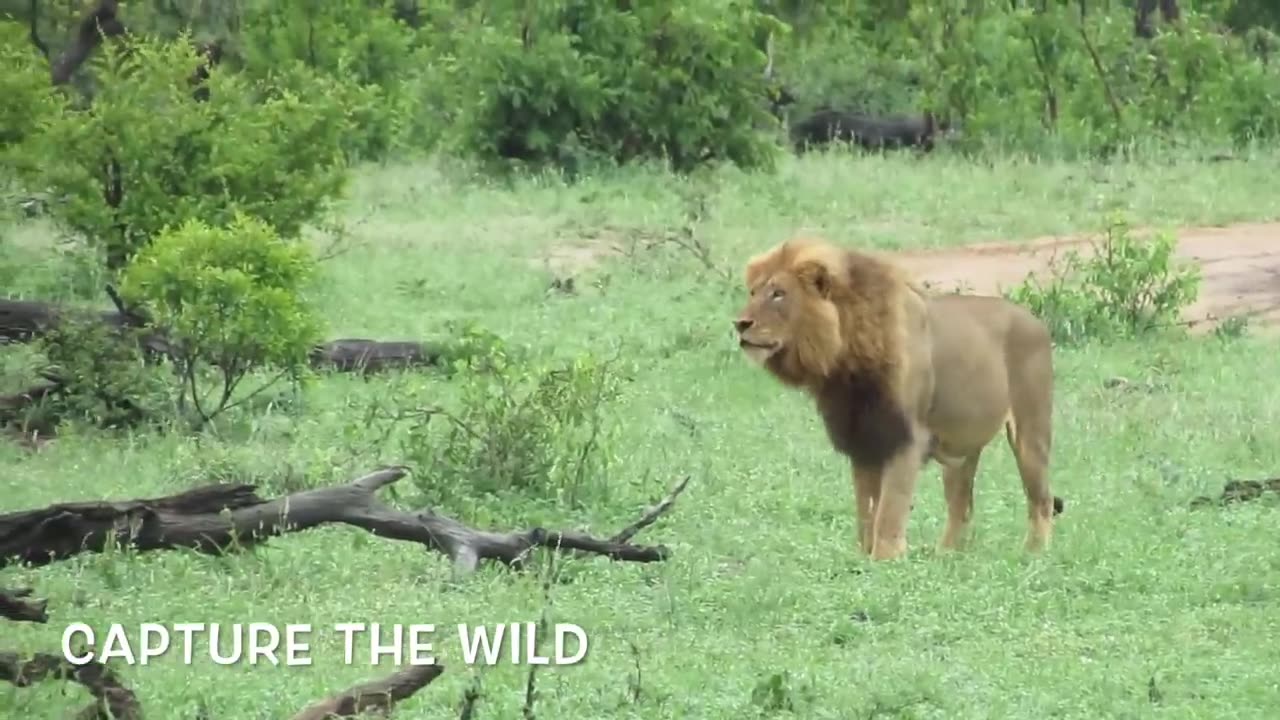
[(1030, 433), (957, 483)]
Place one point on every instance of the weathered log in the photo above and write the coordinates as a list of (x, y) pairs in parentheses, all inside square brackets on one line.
[(195, 520), (25, 320), (370, 356), (1238, 491), (22, 321), (14, 605), (111, 698), (378, 695)]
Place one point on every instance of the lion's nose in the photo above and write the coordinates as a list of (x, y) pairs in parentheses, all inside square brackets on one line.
[(743, 325)]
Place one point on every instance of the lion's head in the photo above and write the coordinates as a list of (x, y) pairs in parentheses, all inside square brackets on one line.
[(815, 309)]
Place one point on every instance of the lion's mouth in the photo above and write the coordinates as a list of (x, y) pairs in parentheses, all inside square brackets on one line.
[(746, 344)]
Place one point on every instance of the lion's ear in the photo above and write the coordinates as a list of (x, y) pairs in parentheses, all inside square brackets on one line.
[(816, 275)]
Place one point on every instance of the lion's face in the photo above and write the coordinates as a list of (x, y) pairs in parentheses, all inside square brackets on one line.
[(765, 325), (789, 324)]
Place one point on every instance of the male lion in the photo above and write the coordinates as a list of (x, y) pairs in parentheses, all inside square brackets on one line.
[(901, 377)]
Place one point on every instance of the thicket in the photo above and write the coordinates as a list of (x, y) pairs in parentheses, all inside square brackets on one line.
[(563, 82)]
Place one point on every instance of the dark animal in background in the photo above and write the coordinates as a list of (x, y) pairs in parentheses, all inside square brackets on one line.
[(826, 125)]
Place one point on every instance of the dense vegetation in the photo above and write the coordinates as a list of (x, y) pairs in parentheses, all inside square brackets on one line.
[(245, 178)]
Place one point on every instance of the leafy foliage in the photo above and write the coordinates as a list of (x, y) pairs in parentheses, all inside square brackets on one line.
[(146, 154), (231, 298), (521, 428), (358, 40), (24, 85), (560, 82), (105, 381), (1124, 288)]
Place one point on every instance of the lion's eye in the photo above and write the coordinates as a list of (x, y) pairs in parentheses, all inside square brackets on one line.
[(776, 295)]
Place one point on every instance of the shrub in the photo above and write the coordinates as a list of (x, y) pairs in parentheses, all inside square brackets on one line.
[(105, 381), (559, 82), (24, 85), (146, 154), (522, 428), (1124, 288), (231, 301), (358, 40)]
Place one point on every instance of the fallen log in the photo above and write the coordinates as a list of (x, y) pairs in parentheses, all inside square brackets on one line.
[(370, 356), (1238, 491), (378, 695), (25, 320), (196, 520), (14, 605), (22, 321), (111, 698)]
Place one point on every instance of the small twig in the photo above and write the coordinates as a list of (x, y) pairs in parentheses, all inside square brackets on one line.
[(530, 691), (652, 514), (471, 696), (1098, 67), (637, 688)]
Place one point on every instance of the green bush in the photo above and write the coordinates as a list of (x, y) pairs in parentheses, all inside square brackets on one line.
[(105, 380), (146, 155), (539, 431), (24, 85), (357, 40), (1124, 288), (561, 82), (1038, 77), (232, 301)]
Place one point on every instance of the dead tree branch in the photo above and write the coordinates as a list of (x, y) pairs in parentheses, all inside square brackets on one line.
[(196, 520), (14, 605), (379, 695), (111, 698)]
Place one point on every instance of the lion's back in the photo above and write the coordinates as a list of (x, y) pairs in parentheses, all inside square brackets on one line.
[(976, 324)]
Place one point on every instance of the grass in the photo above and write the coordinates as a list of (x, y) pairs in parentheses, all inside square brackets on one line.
[(1138, 598)]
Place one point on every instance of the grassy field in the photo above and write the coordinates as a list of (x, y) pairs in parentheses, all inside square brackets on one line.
[(1141, 608)]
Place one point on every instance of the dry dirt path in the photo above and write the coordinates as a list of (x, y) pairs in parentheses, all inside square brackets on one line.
[(1240, 266)]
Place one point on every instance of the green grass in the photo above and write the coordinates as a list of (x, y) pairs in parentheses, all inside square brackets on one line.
[(764, 580)]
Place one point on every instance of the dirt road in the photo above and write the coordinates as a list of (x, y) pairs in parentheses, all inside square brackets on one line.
[(1240, 266)]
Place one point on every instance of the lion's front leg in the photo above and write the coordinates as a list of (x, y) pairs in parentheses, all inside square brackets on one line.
[(893, 507), (866, 490)]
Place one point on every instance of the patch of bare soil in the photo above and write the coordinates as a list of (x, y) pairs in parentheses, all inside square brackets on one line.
[(568, 259), (1240, 266)]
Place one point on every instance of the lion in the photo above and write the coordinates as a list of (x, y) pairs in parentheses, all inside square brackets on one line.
[(899, 377)]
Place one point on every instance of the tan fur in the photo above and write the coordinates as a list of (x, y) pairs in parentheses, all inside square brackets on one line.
[(901, 376)]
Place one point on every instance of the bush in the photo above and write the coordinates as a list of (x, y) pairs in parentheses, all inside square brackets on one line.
[(1124, 289), (231, 301), (105, 381), (24, 85), (560, 82), (147, 155), (522, 428), (1039, 77), (358, 40)]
